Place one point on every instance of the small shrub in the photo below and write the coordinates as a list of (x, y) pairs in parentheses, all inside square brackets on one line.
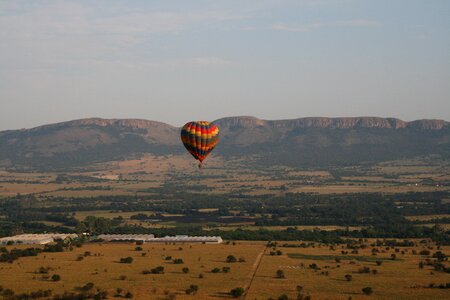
[(348, 277), (158, 270), (43, 270), (192, 290), (185, 270), (237, 292), (178, 261), (280, 274), (56, 277), (231, 259), (87, 287), (367, 290), (126, 260), (364, 270)]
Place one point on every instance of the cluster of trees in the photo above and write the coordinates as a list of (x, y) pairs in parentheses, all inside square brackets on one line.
[(157, 270), (88, 291), (11, 295), (14, 254), (381, 215), (439, 286)]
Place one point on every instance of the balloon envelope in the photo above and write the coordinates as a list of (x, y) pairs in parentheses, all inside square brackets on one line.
[(200, 138)]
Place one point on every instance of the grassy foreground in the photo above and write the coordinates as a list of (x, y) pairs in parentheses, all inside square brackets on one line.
[(320, 271)]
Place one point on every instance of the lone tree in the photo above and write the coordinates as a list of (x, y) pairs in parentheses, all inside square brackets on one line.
[(348, 277), (192, 290), (126, 260), (231, 259), (280, 274), (367, 290), (185, 270), (56, 277), (157, 270), (237, 292)]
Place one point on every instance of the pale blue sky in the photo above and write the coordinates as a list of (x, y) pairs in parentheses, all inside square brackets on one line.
[(176, 61)]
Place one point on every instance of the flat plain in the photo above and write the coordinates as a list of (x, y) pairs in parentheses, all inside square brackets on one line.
[(319, 270), (140, 176)]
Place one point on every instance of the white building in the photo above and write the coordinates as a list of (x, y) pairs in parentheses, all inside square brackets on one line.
[(40, 239), (125, 237), (150, 238), (188, 239)]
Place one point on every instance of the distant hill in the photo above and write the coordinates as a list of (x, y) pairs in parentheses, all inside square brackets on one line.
[(304, 142)]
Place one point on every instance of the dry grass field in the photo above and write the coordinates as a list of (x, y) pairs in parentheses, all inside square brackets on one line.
[(395, 279), (299, 227), (137, 175), (427, 217)]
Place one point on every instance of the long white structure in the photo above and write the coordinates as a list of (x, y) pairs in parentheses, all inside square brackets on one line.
[(126, 237), (150, 238), (40, 239), (188, 239)]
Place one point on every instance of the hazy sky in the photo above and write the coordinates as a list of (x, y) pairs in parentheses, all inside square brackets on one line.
[(176, 61)]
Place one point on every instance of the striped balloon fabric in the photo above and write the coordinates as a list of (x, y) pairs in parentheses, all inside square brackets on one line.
[(200, 138)]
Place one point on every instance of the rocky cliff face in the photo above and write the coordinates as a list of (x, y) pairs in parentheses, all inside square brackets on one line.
[(336, 123), (297, 142)]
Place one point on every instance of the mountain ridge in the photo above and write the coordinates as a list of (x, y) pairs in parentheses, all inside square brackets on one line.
[(302, 142), (304, 122)]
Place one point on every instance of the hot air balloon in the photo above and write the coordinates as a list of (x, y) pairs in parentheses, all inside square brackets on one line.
[(200, 138)]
